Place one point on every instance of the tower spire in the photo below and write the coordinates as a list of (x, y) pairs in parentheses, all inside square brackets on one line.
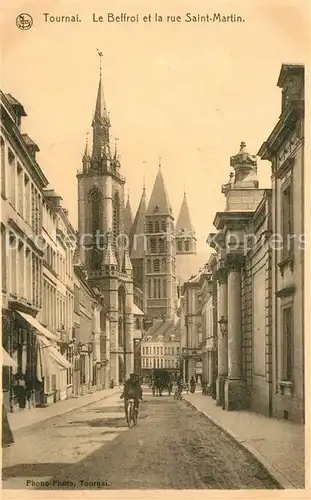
[(101, 121)]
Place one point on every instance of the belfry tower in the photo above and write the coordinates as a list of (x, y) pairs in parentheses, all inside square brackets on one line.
[(159, 258), (103, 253)]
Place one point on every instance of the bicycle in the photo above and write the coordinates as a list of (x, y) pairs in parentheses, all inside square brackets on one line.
[(132, 413)]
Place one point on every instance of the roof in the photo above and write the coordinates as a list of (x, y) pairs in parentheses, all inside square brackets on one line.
[(16, 104), (184, 224), (128, 217), (100, 107), (30, 142), (159, 201), (137, 245), (164, 329), (136, 311), (289, 68)]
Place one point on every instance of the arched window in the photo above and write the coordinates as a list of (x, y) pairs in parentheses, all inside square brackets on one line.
[(149, 226), (158, 363), (155, 289), (159, 289), (163, 225), (95, 263), (153, 245), (95, 200), (162, 246), (164, 288), (179, 246), (116, 216), (148, 266), (187, 246), (161, 363), (156, 266), (149, 288), (157, 226), (163, 267)]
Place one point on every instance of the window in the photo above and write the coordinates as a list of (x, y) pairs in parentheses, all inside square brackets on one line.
[(164, 288), (149, 288), (3, 165), (11, 176), (187, 246), (20, 188), (158, 363), (287, 220), (157, 226), (148, 266), (161, 363), (161, 246), (165, 350), (3, 256), (179, 246), (154, 363), (76, 299), (95, 260), (173, 351), (154, 350), (149, 227), (95, 211), (177, 349), (153, 245), (163, 226), (116, 216), (287, 368), (156, 266)]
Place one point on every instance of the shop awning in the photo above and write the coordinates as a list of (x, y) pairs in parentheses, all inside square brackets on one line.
[(7, 360), (50, 361), (41, 329)]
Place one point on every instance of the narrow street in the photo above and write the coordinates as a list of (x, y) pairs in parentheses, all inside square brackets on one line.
[(173, 446)]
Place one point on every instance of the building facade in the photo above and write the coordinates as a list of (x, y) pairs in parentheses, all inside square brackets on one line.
[(33, 347), (284, 148)]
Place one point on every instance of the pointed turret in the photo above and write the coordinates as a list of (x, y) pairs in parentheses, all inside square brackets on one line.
[(86, 158), (127, 265), (100, 124), (128, 217), (137, 238), (184, 225), (109, 262), (159, 202)]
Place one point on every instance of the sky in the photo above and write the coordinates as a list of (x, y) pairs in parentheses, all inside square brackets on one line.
[(187, 92)]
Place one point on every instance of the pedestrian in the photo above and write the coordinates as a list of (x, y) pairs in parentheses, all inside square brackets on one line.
[(7, 434)]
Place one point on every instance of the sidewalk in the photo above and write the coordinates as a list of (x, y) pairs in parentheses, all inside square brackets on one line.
[(278, 444), (21, 419)]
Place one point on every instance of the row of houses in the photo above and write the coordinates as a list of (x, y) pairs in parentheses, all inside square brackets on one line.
[(242, 315), (54, 324)]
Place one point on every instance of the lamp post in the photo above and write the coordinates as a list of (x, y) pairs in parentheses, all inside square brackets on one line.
[(223, 323)]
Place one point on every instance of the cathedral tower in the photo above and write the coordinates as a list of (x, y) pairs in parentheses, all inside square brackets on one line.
[(185, 244), (137, 243), (101, 244), (159, 261)]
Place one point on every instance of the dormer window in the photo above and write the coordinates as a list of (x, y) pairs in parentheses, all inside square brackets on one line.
[(156, 208)]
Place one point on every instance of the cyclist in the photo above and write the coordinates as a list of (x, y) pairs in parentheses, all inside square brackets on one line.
[(132, 390)]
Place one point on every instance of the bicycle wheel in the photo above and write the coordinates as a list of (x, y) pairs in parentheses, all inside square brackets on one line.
[(135, 415), (130, 412)]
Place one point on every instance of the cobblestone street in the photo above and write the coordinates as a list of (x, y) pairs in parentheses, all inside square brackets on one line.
[(173, 446)]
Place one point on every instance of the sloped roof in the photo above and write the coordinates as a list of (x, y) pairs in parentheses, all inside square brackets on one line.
[(100, 107), (163, 329), (184, 224), (159, 201), (138, 229), (128, 217)]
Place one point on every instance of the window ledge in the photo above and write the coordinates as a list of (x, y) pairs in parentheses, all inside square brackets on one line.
[(286, 262)]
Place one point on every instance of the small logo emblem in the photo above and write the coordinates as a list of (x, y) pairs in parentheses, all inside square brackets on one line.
[(24, 21)]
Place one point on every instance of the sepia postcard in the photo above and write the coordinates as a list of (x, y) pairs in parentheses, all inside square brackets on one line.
[(154, 248)]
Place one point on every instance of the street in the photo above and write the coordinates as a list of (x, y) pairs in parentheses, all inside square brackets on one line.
[(173, 446)]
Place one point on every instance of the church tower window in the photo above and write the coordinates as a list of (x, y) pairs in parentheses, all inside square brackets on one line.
[(179, 246), (153, 245), (163, 225), (116, 216), (156, 266), (187, 246), (95, 211), (150, 227), (161, 246), (148, 266), (157, 226)]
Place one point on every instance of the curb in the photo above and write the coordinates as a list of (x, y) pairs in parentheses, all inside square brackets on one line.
[(65, 412), (281, 480)]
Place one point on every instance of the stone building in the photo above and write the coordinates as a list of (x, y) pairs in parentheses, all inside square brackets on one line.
[(34, 348), (284, 148), (132, 263), (102, 246), (160, 347), (242, 233)]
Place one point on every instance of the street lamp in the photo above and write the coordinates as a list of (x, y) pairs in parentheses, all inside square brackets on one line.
[(223, 323)]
